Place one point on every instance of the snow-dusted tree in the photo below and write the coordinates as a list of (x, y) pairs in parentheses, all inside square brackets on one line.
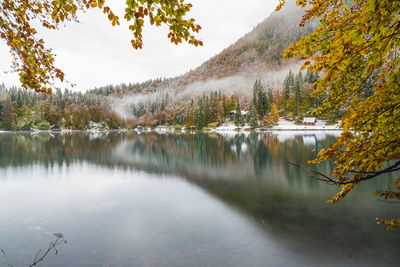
[(238, 117), (252, 117)]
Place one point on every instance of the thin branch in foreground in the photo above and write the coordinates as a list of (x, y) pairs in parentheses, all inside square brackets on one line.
[(388, 201), (325, 178), (40, 255), (52, 246), (320, 176)]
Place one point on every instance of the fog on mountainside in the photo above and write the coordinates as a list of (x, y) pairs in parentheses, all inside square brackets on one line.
[(219, 84), (257, 55)]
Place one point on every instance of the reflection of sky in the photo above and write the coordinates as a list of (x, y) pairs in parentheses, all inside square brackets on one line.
[(116, 216), (317, 135), (182, 208)]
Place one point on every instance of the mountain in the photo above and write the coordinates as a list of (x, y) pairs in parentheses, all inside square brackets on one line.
[(259, 51), (257, 55)]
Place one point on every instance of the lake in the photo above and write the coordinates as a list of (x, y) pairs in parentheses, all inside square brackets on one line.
[(130, 199)]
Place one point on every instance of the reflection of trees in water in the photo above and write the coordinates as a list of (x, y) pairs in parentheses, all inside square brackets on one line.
[(201, 150), (237, 157), (193, 149), (48, 150), (294, 209), (238, 140), (289, 203)]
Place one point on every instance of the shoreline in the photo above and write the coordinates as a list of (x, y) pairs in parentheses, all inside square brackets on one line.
[(282, 126), (166, 130)]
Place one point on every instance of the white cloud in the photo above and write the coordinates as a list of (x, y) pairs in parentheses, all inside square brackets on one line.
[(93, 53)]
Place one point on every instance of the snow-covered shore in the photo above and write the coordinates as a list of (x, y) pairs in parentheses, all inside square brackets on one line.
[(319, 125), (283, 125), (224, 129)]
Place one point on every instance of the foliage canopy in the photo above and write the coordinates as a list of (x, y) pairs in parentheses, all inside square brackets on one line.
[(34, 63), (356, 41)]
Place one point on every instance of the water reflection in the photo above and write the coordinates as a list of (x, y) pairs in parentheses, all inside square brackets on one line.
[(186, 199)]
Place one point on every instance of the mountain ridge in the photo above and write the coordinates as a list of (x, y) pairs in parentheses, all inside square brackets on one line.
[(256, 55)]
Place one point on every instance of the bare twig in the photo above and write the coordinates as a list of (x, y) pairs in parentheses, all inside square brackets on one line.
[(52, 246), (4, 253), (325, 178), (40, 256)]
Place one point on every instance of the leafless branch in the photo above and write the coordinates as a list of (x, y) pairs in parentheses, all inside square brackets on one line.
[(52, 246), (40, 255), (325, 178)]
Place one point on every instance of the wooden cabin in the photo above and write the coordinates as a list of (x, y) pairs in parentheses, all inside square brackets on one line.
[(232, 114)]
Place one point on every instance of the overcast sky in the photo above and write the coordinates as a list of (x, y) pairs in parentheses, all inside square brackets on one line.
[(92, 53)]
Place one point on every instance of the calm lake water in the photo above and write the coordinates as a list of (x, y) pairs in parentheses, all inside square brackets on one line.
[(128, 199)]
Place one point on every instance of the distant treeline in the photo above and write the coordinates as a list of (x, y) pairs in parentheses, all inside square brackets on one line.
[(24, 110), (294, 99)]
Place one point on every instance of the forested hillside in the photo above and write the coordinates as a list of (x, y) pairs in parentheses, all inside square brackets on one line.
[(238, 77), (255, 55), (26, 110), (259, 51)]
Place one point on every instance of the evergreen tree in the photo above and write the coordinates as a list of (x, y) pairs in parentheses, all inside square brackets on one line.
[(189, 116), (255, 93), (3, 94), (230, 105), (215, 108), (260, 98), (291, 79), (270, 97), (198, 115), (288, 88), (298, 86), (311, 78), (7, 114), (252, 117), (262, 105), (207, 110), (238, 118)]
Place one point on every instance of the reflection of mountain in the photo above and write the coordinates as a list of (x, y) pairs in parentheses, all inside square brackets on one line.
[(208, 154), (256, 157), (256, 180), (259, 182), (213, 156), (25, 149)]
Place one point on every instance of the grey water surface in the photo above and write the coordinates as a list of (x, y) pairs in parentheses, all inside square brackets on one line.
[(128, 199)]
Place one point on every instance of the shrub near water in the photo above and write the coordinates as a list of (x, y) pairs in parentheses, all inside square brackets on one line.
[(213, 125), (25, 125), (43, 125)]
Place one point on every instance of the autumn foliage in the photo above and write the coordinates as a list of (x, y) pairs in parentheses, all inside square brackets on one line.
[(35, 63), (356, 41)]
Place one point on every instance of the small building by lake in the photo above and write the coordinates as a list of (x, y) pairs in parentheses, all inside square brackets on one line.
[(232, 114), (310, 121)]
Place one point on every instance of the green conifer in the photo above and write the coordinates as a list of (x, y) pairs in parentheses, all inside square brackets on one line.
[(252, 117), (7, 114), (238, 118)]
